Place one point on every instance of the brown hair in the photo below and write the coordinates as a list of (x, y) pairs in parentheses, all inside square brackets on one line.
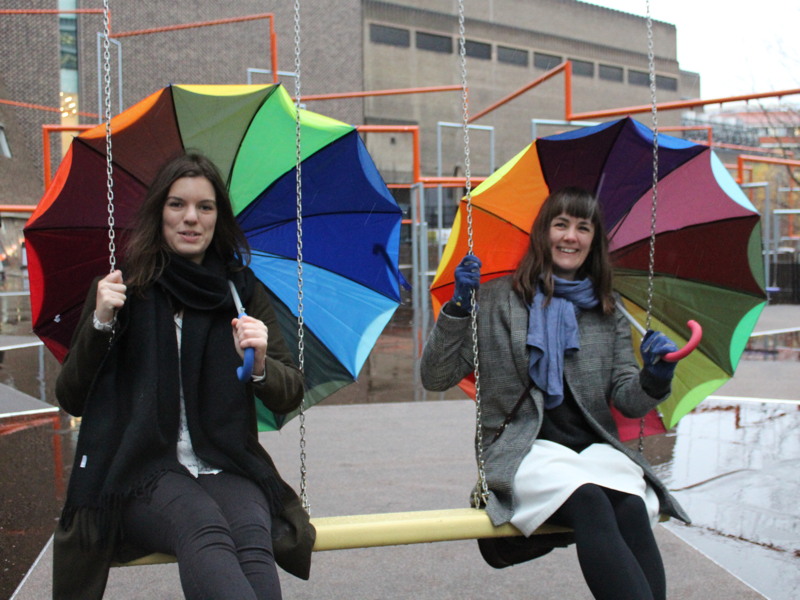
[(537, 263), (146, 252)]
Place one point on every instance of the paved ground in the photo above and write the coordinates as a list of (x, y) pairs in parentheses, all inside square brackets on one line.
[(397, 457), (367, 458)]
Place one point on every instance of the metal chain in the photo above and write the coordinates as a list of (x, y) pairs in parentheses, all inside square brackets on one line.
[(482, 490), (654, 203), (299, 197), (112, 247)]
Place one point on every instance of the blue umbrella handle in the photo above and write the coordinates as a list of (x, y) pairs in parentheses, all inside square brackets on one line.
[(246, 370)]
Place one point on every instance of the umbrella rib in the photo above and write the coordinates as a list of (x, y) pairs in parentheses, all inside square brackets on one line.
[(255, 252), (117, 165), (496, 216)]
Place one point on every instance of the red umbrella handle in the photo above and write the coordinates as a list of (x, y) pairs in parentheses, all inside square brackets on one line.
[(694, 340)]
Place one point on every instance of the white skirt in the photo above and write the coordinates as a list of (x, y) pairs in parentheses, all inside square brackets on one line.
[(550, 473)]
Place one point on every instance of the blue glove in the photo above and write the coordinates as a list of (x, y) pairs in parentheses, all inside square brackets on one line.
[(654, 346), (468, 279)]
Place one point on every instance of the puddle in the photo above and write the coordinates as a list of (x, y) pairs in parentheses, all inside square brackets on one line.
[(734, 468)]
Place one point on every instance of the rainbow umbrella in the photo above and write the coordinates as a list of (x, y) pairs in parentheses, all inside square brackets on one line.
[(708, 238), (351, 223)]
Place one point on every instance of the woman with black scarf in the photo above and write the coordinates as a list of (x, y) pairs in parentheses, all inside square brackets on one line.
[(168, 458)]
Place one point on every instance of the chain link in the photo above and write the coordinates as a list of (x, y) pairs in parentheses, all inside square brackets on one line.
[(482, 489), (654, 204), (112, 247), (299, 197)]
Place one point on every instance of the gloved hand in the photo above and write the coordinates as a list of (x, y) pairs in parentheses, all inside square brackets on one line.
[(468, 278), (654, 346)]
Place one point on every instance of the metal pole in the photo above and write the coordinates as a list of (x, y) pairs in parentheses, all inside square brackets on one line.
[(766, 241), (418, 287)]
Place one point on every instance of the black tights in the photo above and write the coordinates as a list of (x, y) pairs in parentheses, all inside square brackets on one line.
[(616, 547), (218, 527)]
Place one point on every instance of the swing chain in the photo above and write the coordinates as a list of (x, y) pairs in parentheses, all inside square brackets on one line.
[(112, 247), (299, 197), (481, 496), (654, 204)]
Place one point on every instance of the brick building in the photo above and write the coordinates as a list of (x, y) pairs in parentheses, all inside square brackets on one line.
[(347, 45)]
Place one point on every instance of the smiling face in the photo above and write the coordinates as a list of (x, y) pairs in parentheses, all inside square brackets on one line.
[(189, 217), (570, 244)]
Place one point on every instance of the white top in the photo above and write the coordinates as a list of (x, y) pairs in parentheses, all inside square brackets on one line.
[(186, 456)]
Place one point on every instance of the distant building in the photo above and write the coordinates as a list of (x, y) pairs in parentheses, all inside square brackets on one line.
[(346, 46), (765, 127)]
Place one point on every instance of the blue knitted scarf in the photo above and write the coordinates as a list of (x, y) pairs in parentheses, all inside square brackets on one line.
[(553, 333)]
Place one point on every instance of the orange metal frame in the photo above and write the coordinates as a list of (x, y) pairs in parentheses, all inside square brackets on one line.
[(273, 38), (46, 131), (566, 68)]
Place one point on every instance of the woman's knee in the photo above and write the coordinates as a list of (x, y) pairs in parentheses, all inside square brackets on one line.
[(630, 508)]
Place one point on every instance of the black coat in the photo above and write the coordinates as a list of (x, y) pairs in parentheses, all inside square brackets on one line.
[(84, 545)]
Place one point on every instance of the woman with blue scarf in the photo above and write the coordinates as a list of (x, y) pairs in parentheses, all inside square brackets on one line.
[(554, 354)]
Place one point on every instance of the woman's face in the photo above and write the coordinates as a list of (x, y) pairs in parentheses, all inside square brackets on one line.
[(189, 217), (570, 244)]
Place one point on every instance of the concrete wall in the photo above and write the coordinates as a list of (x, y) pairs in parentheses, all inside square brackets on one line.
[(338, 56), (331, 61), (28, 74), (562, 28)]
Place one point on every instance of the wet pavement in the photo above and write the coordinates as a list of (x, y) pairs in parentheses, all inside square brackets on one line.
[(733, 464)]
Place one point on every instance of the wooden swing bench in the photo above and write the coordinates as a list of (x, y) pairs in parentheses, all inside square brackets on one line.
[(393, 529)]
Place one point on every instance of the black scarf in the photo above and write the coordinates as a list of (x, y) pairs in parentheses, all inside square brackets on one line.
[(129, 429)]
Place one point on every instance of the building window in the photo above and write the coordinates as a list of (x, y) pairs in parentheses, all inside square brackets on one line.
[(391, 36), (638, 77), (610, 73), (666, 83), (478, 49), (512, 56), (434, 43), (5, 150), (582, 67), (545, 61)]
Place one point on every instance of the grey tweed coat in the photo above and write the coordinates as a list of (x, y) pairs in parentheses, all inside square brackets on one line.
[(603, 370)]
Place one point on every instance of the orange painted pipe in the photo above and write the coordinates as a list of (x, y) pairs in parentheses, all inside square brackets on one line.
[(17, 208), (677, 104), (46, 131), (395, 92), (199, 24), (740, 160), (565, 66)]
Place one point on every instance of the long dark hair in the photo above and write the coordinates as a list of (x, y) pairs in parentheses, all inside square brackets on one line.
[(537, 263), (146, 252)]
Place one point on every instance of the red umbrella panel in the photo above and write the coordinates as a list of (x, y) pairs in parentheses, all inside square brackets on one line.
[(700, 211)]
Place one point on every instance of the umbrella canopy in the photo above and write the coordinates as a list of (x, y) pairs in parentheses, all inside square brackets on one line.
[(708, 238), (351, 223)]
